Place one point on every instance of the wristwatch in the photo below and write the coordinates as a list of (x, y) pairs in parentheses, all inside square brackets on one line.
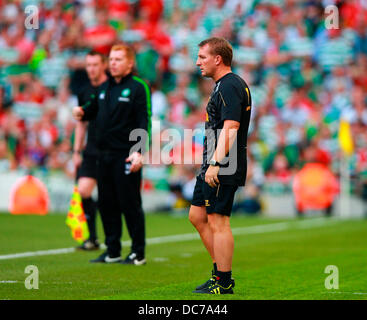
[(214, 163)]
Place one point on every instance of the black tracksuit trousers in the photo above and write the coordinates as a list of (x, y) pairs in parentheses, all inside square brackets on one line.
[(119, 193)]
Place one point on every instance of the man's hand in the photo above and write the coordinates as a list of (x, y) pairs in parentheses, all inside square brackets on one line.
[(211, 176), (78, 113), (77, 159), (136, 160)]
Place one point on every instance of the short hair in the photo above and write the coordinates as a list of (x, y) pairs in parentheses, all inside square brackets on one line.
[(221, 47), (129, 51), (96, 53)]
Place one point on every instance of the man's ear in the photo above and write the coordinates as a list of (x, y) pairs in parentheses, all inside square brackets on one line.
[(218, 60), (131, 64)]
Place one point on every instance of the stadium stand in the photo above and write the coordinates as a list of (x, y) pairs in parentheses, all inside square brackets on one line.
[(304, 78)]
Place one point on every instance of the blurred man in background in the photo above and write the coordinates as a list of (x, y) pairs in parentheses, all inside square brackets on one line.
[(85, 158)]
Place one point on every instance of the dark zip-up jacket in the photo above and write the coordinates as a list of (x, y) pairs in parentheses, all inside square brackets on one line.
[(83, 97), (119, 108)]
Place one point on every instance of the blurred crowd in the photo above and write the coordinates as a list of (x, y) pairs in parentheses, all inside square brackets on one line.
[(303, 78)]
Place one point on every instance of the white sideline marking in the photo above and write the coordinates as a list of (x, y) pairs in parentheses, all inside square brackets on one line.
[(266, 228), (53, 282), (159, 259), (36, 253), (186, 255), (349, 292)]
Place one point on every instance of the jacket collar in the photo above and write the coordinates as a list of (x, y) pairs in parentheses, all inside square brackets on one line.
[(114, 83)]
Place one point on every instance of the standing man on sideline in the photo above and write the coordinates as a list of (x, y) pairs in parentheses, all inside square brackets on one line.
[(122, 104), (228, 113), (86, 166)]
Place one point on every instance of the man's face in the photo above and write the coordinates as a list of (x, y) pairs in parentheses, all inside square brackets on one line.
[(95, 67), (206, 61), (120, 65)]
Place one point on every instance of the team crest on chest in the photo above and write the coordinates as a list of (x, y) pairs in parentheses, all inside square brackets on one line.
[(125, 93)]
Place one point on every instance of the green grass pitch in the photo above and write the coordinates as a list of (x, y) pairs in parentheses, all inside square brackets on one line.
[(273, 259)]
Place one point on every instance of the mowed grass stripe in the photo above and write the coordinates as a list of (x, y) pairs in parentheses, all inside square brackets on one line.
[(273, 227), (272, 265), (287, 265)]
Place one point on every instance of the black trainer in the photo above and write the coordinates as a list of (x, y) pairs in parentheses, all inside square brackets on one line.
[(208, 283), (216, 288), (89, 245), (105, 258), (135, 259)]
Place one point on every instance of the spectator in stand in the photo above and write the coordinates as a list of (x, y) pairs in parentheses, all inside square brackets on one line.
[(102, 36)]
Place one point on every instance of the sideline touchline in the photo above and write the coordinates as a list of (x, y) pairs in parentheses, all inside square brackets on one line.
[(266, 228)]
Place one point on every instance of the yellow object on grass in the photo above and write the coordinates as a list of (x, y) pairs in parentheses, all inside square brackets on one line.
[(76, 219)]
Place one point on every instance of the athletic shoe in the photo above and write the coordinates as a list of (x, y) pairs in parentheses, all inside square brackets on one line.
[(208, 283), (89, 245), (133, 258), (105, 258), (216, 288)]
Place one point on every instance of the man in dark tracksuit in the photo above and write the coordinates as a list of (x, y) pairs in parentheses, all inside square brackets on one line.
[(85, 158), (121, 105)]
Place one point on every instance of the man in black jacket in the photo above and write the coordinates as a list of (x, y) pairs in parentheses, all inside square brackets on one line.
[(85, 157), (123, 104)]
